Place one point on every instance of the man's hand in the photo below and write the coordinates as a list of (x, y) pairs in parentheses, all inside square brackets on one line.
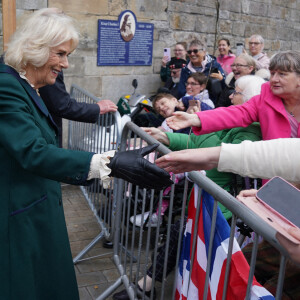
[(107, 106), (132, 167), (181, 120)]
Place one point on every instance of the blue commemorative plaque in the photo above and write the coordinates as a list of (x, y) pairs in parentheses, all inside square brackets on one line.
[(125, 42)]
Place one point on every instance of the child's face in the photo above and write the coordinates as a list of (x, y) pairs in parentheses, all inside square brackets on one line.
[(165, 106), (193, 87)]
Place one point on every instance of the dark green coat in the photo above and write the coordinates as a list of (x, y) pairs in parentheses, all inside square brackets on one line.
[(179, 141), (36, 262)]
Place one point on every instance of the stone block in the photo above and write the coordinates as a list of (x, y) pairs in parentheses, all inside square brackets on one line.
[(83, 7), (31, 4), (154, 9), (156, 65), (258, 9), (205, 24), (225, 26), (224, 14), (238, 28), (276, 12), (182, 21), (245, 6), (76, 66), (167, 38), (232, 5)]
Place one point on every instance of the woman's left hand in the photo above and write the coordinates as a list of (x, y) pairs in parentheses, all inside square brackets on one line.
[(217, 75)]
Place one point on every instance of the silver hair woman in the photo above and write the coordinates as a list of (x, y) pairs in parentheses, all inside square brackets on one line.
[(32, 46), (33, 237), (246, 87), (256, 46)]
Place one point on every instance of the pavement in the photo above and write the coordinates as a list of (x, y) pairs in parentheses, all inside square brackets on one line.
[(96, 274)]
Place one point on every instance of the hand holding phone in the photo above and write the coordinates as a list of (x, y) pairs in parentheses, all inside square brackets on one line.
[(239, 49), (167, 53), (277, 204)]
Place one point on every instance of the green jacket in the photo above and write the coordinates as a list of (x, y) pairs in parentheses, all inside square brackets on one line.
[(179, 141), (36, 258)]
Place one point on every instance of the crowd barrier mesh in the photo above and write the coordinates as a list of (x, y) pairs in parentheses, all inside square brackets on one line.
[(104, 135), (143, 246)]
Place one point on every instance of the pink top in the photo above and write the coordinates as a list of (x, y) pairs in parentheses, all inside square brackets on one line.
[(265, 108), (294, 125), (226, 61)]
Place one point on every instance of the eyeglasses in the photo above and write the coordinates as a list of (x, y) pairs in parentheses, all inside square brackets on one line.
[(238, 66), (191, 83), (254, 43), (237, 93), (174, 72), (194, 50)]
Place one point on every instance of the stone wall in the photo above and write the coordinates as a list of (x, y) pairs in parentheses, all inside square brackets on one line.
[(276, 20)]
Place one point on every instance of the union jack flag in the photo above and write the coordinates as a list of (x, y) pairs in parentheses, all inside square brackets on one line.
[(239, 270)]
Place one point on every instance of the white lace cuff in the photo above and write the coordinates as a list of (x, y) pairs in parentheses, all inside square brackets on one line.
[(99, 168)]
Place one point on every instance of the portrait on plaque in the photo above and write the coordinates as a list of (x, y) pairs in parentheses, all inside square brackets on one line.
[(127, 25)]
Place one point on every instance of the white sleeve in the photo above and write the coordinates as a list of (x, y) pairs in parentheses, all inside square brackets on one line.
[(263, 159), (99, 168)]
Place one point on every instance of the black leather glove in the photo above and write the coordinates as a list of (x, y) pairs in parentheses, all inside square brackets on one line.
[(131, 166)]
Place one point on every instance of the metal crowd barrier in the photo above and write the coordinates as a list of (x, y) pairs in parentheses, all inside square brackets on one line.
[(99, 137), (138, 246)]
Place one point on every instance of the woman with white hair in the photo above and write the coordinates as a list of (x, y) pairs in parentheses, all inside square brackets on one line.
[(256, 46), (246, 87), (37, 261)]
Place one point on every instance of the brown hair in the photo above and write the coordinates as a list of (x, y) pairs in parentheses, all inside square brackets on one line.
[(160, 96), (199, 77), (183, 44)]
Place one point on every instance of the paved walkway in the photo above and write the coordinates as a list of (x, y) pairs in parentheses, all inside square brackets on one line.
[(95, 275)]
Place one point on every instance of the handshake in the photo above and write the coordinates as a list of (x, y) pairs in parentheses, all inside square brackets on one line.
[(133, 167)]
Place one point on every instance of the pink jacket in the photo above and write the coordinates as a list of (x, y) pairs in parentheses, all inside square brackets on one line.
[(226, 61), (265, 108)]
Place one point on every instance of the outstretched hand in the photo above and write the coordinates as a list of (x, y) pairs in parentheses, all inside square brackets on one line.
[(190, 160), (157, 134), (181, 120), (132, 167), (107, 106)]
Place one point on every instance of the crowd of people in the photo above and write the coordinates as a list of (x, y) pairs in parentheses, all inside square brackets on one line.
[(216, 110), (257, 98)]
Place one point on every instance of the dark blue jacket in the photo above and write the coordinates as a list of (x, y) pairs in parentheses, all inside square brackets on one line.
[(61, 105), (186, 72)]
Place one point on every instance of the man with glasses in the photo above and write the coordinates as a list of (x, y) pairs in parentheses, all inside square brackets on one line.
[(171, 86), (256, 46), (204, 63)]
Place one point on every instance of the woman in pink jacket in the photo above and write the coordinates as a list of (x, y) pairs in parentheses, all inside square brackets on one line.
[(277, 108), (226, 58)]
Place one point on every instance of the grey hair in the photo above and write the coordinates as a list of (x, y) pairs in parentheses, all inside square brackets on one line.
[(197, 43), (44, 29), (287, 61), (250, 61), (250, 86), (258, 37)]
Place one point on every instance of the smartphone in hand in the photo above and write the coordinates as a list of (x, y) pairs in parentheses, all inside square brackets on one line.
[(167, 52), (239, 49), (282, 198)]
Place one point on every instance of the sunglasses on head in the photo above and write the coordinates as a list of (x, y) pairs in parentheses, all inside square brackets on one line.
[(194, 50)]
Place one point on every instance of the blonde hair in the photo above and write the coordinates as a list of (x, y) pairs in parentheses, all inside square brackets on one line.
[(44, 29)]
